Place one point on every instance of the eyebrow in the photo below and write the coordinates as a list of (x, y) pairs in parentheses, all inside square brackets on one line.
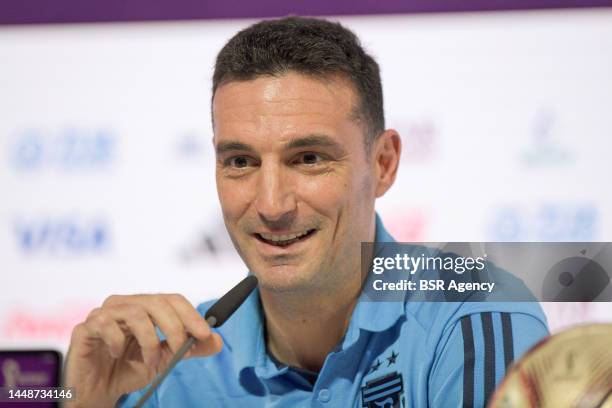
[(314, 140), (224, 147)]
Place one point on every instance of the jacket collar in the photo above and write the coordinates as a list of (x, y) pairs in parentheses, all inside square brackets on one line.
[(243, 332)]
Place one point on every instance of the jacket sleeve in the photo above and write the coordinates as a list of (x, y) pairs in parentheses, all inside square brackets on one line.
[(472, 358)]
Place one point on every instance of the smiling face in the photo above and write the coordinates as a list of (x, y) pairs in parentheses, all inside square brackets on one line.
[(296, 188)]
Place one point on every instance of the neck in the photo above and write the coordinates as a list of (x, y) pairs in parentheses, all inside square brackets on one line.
[(302, 330), (303, 327)]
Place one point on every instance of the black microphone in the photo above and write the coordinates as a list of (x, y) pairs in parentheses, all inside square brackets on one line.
[(215, 317)]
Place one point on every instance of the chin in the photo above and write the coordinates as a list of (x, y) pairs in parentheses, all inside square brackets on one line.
[(283, 278)]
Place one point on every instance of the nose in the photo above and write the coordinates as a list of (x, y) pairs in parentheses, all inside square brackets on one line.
[(275, 199)]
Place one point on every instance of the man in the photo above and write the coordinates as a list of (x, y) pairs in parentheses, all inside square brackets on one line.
[(302, 155)]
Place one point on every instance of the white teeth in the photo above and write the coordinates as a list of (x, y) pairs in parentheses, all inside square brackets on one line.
[(279, 238)]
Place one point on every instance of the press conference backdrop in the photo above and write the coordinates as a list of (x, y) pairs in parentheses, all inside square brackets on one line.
[(107, 167)]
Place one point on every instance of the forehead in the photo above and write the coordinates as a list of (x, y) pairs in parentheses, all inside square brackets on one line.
[(286, 103)]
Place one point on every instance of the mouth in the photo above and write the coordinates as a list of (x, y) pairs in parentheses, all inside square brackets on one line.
[(283, 240)]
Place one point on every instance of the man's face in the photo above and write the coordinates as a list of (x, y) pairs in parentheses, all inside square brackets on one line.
[(295, 185)]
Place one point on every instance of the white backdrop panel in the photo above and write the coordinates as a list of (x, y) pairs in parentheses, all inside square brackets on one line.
[(106, 161)]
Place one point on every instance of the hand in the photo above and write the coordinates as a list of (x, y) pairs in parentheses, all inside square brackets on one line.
[(116, 350)]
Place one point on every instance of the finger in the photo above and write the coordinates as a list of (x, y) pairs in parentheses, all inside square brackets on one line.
[(166, 318), (84, 331), (101, 325), (192, 320), (139, 323), (212, 345), (83, 339), (114, 300)]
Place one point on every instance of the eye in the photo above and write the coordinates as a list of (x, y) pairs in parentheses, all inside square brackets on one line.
[(239, 162), (308, 158)]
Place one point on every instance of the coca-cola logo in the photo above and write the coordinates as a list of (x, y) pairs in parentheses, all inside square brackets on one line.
[(22, 323)]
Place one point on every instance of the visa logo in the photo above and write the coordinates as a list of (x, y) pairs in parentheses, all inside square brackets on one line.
[(64, 236)]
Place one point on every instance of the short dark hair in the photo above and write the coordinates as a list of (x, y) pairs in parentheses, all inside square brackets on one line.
[(309, 46)]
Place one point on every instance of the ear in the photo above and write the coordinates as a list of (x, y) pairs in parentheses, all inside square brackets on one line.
[(386, 156)]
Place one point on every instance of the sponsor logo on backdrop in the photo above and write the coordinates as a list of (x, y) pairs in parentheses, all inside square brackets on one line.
[(27, 323), (407, 225), (548, 222), (62, 236), (212, 242), (192, 145), (419, 139), (545, 149), (67, 149)]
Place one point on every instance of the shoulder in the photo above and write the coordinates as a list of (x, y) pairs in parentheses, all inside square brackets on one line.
[(525, 321), (440, 310), (439, 315), (473, 345)]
